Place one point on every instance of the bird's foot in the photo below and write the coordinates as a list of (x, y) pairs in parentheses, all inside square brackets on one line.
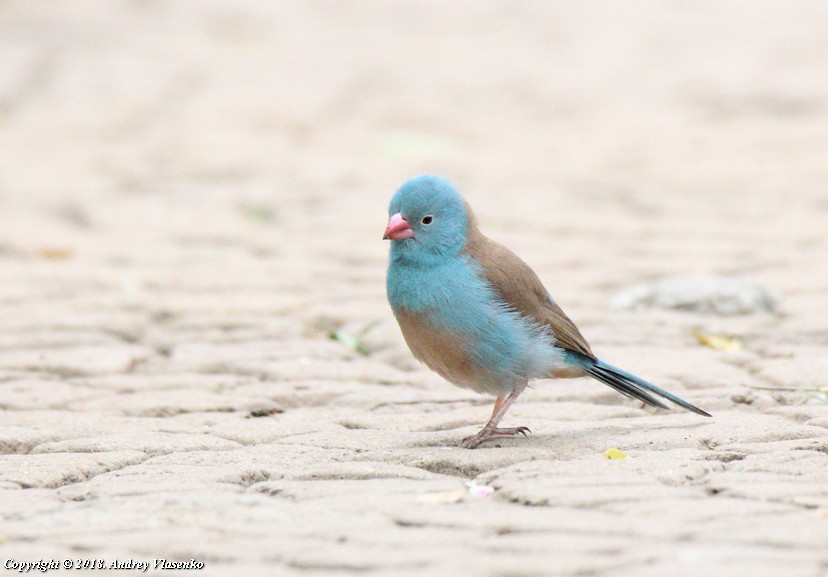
[(489, 432)]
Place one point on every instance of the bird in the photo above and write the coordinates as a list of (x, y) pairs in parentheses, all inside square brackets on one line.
[(477, 315)]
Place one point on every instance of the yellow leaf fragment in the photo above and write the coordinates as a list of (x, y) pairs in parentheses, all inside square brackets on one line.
[(54, 253), (614, 454), (718, 342), (443, 498)]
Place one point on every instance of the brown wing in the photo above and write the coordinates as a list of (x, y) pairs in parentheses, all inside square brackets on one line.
[(519, 286)]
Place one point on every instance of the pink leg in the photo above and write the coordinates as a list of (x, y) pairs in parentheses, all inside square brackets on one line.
[(491, 429), (497, 405)]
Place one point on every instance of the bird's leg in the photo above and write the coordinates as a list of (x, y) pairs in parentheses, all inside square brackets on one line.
[(491, 429), (497, 405), (501, 406)]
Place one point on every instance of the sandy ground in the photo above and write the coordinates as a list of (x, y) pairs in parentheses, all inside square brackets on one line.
[(192, 195)]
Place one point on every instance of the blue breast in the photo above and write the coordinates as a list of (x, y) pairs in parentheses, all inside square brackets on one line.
[(453, 295)]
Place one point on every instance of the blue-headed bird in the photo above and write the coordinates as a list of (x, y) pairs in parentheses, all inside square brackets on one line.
[(479, 316)]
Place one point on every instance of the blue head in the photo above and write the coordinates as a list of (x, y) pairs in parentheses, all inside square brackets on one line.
[(428, 219)]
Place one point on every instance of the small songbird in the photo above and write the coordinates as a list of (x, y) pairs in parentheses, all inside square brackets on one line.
[(476, 314)]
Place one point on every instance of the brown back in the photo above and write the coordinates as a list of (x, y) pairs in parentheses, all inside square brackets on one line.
[(519, 286)]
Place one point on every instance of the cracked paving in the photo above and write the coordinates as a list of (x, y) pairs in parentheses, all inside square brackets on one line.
[(196, 355)]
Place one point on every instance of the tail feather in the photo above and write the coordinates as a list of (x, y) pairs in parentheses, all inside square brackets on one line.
[(623, 386), (632, 386)]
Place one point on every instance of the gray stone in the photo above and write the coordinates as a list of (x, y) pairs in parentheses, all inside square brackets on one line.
[(721, 295)]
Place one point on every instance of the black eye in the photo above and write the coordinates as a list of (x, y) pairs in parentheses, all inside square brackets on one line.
[(427, 219)]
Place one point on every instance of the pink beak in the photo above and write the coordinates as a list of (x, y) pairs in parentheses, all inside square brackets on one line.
[(397, 228)]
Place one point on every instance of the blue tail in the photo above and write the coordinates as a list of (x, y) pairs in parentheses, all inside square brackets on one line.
[(628, 384)]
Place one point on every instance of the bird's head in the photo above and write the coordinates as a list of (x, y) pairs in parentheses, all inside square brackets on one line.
[(427, 216)]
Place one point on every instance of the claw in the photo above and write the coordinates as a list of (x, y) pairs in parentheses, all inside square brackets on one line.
[(491, 429), (471, 442), (489, 432)]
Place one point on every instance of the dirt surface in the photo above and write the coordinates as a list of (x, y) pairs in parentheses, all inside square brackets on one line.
[(192, 196)]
